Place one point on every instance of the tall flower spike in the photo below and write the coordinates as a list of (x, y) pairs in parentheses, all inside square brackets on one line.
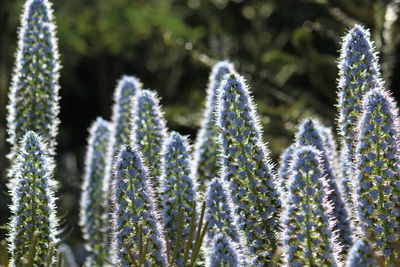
[(149, 131), (205, 160), (310, 134), (359, 72), (135, 209), (33, 203), (94, 219), (284, 165), (377, 172), (177, 188), (223, 252), (307, 236), (34, 92), (247, 170), (361, 255)]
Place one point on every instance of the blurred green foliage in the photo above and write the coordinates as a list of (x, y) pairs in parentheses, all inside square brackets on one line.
[(287, 50)]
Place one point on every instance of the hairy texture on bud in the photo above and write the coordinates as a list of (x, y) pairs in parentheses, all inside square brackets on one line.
[(34, 93), (247, 170), (307, 236), (134, 207), (205, 160), (223, 252), (94, 219), (177, 189), (33, 203), (377, 172), (149, 131), (361, 255)]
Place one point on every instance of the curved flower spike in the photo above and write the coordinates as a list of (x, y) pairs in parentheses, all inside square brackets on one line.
[(33, 203), (361, 255), (377, 172), (247, 170), (34, 93), (135, 212), (205, 160), (308, 239), (223, 252), (94, 218)]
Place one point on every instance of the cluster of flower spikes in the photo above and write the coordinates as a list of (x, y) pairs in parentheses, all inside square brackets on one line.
[(149, 131), (247, 170), (33, 203), (205, 160), (223, 252), (377, 195), (361, 255), (94, 219), (310, 133), (34, 92), (359, 72), (135, 208), (177, 189), (308, 239)]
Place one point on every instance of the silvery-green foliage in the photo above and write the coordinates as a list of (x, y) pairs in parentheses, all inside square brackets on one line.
[(284, 165), (177, 189), (223, 252), (94, 218), (149, 131), (310, 134), (359, 72), (307, 238), (247, 170), (33, 202), (361, 255), (34, 92), (134, 207), (377, 172), (205, 160), (68, 259)]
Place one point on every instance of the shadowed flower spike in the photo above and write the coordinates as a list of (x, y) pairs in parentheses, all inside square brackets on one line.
[(33, 203), (34, 92), (307, 236), (149, 131), (68, 256), (205, 160), (223, 252), (310, 134), (177, 188), (94, 219), (134, 209), (361, 255), (247, 170), (331, 149), (377, 172), (284, 165), (358, 73)]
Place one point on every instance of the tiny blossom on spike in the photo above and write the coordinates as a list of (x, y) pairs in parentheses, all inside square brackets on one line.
[(247, 170), (33, 203), (205, 160), (94, 218), (377, 194), (177, 188), (307, 238), (34, 93), (361, 255), (134, 206), (149, 131), (223, 252)]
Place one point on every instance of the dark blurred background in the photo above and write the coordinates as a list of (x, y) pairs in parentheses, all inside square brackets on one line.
[(287, 49)]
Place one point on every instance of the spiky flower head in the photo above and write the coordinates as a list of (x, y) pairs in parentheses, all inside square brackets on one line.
[(134, 208), (177, 188), (377, 171), (247, 169), (307, 236), (205, 160), (33, 203), (310, 134), (149, 131), (361, 255), (33, 96), (284, 165), (94, 219), (223, 252)]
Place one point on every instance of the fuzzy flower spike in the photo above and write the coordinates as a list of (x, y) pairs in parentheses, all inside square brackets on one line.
[(247, 170)]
